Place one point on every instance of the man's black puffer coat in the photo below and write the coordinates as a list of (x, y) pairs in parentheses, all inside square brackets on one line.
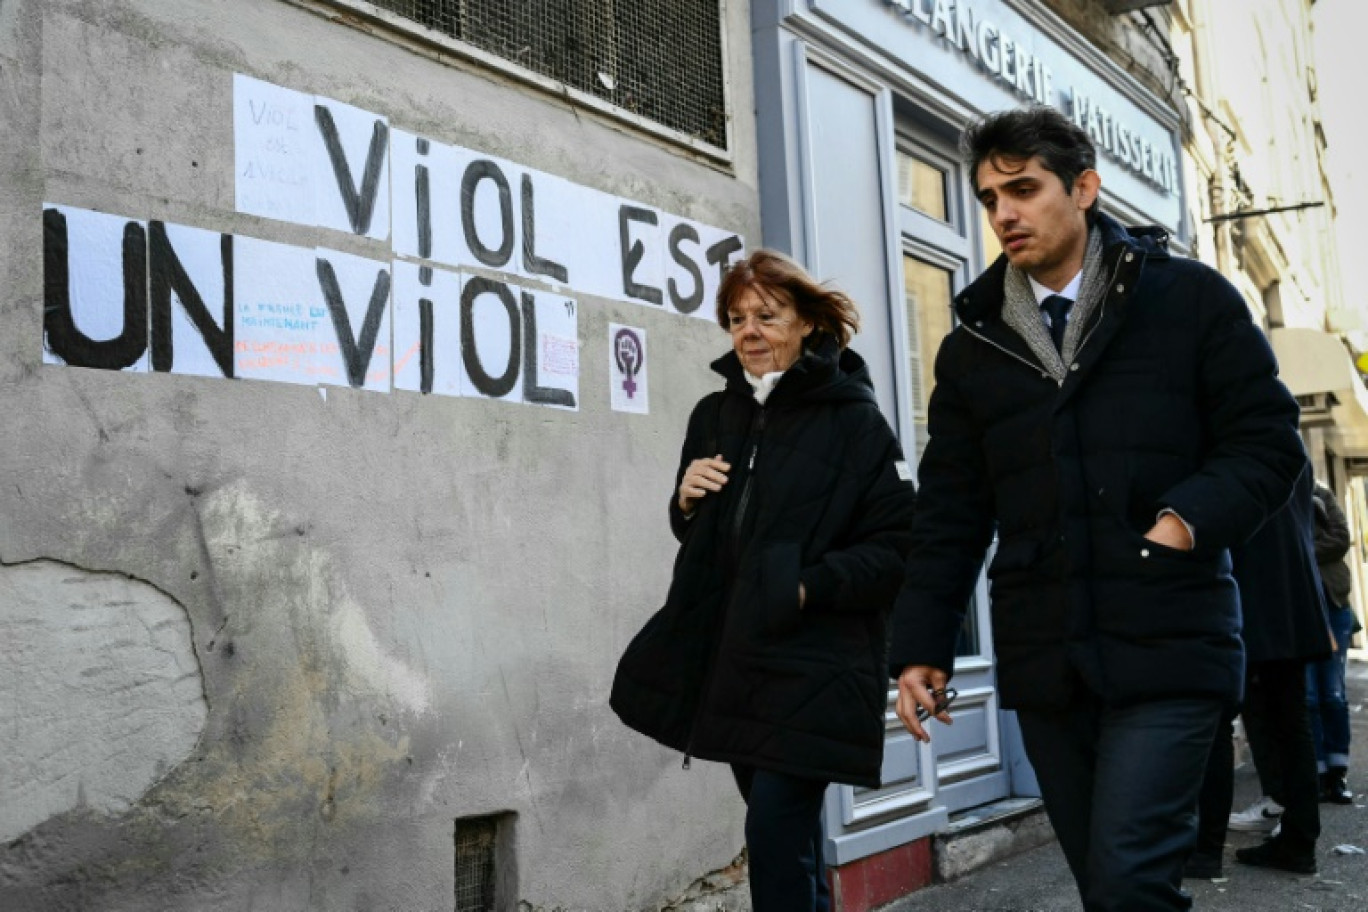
[(1173, 402), (731, 669)]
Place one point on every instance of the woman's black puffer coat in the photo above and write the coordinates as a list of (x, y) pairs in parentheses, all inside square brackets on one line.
[(731, 669)]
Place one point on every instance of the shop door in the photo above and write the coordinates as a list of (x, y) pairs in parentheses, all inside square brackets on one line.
[(977, 760)]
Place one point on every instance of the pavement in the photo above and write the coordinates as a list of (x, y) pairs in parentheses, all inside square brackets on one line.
[(1038, 880)]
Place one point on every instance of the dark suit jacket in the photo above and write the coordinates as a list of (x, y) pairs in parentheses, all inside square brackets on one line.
[(1281, 599)]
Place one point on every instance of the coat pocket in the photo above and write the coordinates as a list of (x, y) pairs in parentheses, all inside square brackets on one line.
[(1145, 591), (780, 563), (1152, 556)]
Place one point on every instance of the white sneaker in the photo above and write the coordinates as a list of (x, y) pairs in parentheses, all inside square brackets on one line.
[(1260, 817)]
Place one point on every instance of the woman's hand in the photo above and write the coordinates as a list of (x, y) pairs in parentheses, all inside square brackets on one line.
[(701, 477)]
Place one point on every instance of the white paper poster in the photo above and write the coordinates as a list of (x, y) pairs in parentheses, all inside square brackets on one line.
[(91, 320), (551, 219), (356, 293), (283, 329), (191, 265), (278, 152), (352, 191), (426, 181), (491, 339), (427, 329), (696, 256), (552, 374), (629, 390)]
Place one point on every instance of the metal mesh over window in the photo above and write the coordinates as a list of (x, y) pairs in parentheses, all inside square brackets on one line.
[(475, 841), (660, 59)]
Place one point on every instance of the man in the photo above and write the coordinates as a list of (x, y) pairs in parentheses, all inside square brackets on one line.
[(1325, 679), (1283, 615), (1112, 412)]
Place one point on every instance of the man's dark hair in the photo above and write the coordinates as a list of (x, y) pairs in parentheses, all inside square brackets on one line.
[(1011, 137)]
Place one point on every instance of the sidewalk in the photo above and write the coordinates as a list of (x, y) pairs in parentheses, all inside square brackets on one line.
[(1039, 881)]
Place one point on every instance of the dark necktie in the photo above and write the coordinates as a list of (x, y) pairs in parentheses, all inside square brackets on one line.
[(1057, 306)]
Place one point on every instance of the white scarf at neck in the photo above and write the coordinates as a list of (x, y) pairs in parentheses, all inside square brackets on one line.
[(763, 386)]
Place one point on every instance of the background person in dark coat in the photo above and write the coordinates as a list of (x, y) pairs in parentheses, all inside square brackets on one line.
[(1283, 617), (792, 507), (1325, 678), (1119, 450)]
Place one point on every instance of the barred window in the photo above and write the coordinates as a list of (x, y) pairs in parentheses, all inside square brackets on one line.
[(658, 59)]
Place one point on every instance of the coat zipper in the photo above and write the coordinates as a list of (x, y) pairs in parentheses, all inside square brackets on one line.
[(1007, 351), (757, 431)]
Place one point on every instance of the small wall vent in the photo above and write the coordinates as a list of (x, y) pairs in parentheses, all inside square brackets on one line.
[(475, 842), (483, 845)]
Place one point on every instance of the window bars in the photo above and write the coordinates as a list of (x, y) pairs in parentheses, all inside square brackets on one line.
[(658, 59)]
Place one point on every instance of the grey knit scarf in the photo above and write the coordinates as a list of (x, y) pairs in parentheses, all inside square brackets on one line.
[(1021, 312)]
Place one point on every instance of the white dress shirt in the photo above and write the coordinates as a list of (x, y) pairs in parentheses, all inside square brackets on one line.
[(1069, 291)]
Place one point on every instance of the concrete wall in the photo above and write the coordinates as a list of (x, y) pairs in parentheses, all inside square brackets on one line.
[(259, 647), (1127, 39)]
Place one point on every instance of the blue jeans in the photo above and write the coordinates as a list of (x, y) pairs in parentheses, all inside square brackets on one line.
[(1325, 698), (784, 840), (1120, 786)]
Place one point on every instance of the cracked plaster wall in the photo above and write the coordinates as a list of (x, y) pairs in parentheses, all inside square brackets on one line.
[(103, 692), (330, 627)]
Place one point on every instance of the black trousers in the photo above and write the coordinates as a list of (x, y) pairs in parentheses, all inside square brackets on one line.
[(1279, 730), (1276, 718), (1120, 786), (1218, 790), (784, 840)]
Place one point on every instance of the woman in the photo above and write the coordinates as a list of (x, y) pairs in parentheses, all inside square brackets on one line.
[(792, 507)]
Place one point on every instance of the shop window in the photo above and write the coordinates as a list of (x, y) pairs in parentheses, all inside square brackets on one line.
[(968, 645), (926, 293), (946, 237), (921, 186), (991, 248), (658, 59)]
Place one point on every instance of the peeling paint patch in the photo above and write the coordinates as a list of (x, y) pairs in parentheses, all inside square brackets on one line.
[(100, 691)]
